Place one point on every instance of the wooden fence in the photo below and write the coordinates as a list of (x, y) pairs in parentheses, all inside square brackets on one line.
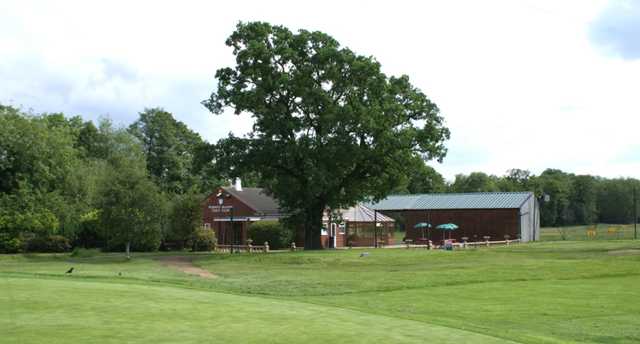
[(463, 245), (458, 245), (242, 248), (486, 243)]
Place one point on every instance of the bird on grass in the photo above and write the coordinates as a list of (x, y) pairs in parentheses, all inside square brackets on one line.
[(69, 271)]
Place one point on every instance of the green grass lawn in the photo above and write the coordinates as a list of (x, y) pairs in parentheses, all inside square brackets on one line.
[(550, 292)]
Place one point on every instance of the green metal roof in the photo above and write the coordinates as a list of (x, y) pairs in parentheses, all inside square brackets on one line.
[(477, 200)]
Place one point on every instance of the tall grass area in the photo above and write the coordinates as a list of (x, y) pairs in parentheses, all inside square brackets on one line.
[(601, 231), (546, 292)]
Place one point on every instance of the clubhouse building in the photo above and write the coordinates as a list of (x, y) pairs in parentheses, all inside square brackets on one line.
[(229, 211)]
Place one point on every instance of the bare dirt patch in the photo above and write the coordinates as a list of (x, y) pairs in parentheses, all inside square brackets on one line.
[(185, 265)]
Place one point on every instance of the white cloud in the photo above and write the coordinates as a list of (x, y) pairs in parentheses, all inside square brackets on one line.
[(520, 83)]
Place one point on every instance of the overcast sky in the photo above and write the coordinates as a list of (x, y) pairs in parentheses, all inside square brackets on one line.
[(521, 84)]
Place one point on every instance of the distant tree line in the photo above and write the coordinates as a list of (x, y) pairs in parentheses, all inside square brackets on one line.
[(66, 182)]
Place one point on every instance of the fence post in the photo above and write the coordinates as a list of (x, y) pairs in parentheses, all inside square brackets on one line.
[(408, 242)]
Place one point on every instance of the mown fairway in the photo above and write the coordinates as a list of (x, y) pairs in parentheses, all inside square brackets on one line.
[(555, 292)]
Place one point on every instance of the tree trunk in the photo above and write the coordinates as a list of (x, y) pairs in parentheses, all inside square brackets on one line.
[(128, 249), (313, 227)]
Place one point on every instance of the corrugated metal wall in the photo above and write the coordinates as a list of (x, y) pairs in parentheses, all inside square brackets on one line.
[(530, 220)]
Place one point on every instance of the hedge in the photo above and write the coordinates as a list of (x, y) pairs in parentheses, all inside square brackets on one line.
[(274, 232), (50, 243)]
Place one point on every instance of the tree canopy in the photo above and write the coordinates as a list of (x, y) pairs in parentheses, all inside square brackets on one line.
[(170, 148), (330, 128), (130, 205), (421, 178), (88, 183)]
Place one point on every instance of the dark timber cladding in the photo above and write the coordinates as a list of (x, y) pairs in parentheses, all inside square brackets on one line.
[(240, 207), (230, 210), (494, 214)]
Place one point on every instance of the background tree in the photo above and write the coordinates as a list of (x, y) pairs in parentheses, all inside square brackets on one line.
[(33, 152), (515, 180), (185, 217), (169, 148), (583, 199), (203, 167), (474, 182), (558, 186), (131, 207), (615, 200), (92, 142), (421, 178), (58, 172), (330, 128), (37, 161)]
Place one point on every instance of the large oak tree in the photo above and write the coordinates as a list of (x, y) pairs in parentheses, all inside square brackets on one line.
[(330, 129)]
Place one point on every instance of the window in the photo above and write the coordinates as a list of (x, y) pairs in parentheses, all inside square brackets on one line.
[(207, 226), (341, 228)]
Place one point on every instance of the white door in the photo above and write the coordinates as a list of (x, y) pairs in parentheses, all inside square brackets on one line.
[(334, 234)]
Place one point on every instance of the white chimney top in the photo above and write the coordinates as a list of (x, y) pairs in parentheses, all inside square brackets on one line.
[(238, 184)]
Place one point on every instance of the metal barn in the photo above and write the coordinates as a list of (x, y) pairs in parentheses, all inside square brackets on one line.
[(499, 215)]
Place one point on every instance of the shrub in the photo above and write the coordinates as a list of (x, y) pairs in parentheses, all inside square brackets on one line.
[(274, 232), (88, 234), (51, 244), (9, 244), (203, 240), (84, 253)]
